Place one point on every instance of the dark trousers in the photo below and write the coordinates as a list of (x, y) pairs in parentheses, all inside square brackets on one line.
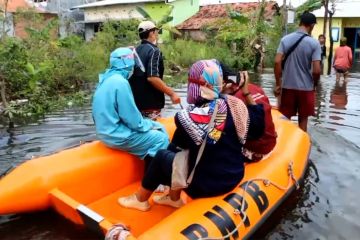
[(159, 170)]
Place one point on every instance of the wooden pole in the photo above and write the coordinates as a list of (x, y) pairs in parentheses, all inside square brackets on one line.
[(331, 14), (3, 36), (326, 14)]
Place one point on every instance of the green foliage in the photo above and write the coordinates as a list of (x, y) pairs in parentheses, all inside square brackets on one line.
[(183, 53), (163, 22), (239, 17), (114, 34), (241, 32), (13, 59), (143, 12), (12, 110), (273, 37), (309, 5), (51, 72)]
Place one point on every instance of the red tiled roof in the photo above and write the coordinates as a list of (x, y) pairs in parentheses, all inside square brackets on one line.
[(13, 5), (211, 13)]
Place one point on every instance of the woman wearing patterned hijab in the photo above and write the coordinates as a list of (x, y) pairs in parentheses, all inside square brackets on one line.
[(221, 166)]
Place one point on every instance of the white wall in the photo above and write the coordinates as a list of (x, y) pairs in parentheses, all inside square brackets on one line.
[(9, 25), (111, 12)]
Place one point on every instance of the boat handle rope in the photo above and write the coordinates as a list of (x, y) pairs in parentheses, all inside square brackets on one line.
[(267, 183), (121, 232), (118, 232)]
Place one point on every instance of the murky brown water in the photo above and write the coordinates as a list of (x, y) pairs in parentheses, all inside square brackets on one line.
[(324, 208)]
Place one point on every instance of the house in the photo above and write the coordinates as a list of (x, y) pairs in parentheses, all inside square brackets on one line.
[(346, 22), (294, 3), (16, 26), (98, 12), (209, 15), (68, 20)]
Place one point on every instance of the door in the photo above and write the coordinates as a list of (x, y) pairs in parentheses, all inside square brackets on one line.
[(357, 46)]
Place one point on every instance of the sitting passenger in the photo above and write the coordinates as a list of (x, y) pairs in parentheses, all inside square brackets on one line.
[(254, 149), (118, 122), (221, 166)]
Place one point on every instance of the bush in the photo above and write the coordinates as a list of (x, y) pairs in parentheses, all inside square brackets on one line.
[(13, 59), (186, 52), (49, 71)]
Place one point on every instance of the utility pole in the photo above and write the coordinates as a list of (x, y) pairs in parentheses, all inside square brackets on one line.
[(2, 38), (326, 14), (331, 14)]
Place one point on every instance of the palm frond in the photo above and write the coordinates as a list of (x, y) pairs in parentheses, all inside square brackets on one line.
[(171, 29), (144, 13), (238, 17), (167, 16)]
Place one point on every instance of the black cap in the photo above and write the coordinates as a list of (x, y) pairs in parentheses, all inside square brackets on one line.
[(307, 18), (229, 76)]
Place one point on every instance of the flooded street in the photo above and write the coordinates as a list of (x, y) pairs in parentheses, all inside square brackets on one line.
[(324, 208)]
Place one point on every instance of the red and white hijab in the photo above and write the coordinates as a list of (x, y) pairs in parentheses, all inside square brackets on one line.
[(204, 91)]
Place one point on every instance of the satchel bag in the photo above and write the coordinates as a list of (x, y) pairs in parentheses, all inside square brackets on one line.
[(291, 49), (180, 166)]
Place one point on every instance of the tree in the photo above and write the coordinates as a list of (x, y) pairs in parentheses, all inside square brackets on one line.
[(326, 14), (258, 43), (309, 5), (2, 38), (331, 14)]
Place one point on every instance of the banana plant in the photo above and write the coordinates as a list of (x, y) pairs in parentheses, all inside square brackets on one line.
[(35, 74), (309, 5), (163, 23)]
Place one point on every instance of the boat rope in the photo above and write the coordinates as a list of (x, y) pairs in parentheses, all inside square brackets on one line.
[(117, 232), (267, 183)]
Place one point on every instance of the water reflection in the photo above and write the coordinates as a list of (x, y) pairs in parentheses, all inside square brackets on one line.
[(326, 206), (338, 95)]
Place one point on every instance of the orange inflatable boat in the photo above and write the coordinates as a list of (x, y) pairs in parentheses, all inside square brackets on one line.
[(84, 183)]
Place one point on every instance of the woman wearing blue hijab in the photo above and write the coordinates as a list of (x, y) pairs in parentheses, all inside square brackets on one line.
[(119, 124)]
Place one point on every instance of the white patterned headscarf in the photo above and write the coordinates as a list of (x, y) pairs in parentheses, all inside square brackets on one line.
[(204, 88)]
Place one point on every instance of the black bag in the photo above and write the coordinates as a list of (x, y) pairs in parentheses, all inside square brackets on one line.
[(291, 50)]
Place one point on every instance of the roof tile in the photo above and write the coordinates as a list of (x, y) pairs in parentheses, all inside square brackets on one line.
[(13, 5), (211, 13)]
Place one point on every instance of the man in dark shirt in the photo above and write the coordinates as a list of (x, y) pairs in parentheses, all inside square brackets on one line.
[(147, 84), (322, 41)]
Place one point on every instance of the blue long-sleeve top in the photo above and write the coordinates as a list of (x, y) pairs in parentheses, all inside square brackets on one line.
[(115, 113)]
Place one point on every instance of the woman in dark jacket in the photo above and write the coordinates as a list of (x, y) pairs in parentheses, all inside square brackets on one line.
[(221, 166)]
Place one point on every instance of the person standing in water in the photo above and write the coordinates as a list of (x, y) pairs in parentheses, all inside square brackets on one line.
[(343, 60), (297, 71), (322, 41)]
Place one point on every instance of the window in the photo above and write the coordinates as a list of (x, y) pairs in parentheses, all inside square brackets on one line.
[(335, 32)]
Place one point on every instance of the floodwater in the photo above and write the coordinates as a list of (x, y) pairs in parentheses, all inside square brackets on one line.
[(324, 208)]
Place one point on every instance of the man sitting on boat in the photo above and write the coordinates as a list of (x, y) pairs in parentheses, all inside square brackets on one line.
[(118, 122), (221, 166)]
